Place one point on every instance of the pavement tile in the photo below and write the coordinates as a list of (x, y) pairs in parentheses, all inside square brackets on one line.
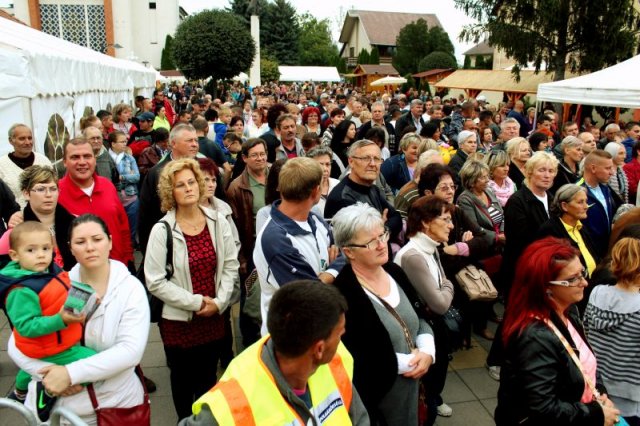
[(467, 413), (478, 380), (455, 390)]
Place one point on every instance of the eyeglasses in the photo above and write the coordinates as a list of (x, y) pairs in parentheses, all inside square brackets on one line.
[(572, 282), (446, 220), (373, 244), (452, 187), (368, 159), (45, 189), (257, 155)]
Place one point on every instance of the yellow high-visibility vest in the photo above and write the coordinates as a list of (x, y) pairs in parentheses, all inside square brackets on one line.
[(247, 393)]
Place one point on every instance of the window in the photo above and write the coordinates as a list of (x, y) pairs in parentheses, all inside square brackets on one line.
[(152, 5)]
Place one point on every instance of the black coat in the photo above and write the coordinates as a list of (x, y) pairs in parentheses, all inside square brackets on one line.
[(375, 365), (554, 228), (524, 214), (539, 382), (62, 222)]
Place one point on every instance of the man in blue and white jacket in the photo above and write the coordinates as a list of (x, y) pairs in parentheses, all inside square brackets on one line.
[(295, 243)]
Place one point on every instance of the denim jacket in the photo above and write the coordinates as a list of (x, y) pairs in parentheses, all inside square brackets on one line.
[(129, 174)]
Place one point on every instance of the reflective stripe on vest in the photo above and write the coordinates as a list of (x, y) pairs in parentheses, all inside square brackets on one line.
[(248, 394)]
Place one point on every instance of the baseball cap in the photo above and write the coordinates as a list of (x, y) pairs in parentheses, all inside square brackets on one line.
[(146, 116)]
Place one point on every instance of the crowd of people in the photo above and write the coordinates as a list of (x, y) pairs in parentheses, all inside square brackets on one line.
[(343, 223)]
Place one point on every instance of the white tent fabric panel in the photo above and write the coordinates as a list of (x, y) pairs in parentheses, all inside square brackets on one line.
[(42, 111), (51, 66), (11, 112), (288, 73), (616, 86)]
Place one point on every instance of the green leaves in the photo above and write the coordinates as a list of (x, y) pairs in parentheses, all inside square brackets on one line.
[(584, 36), (213, 43)]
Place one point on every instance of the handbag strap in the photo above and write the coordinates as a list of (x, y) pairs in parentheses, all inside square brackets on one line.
[(392, 311), (94, 399), (485, 211), (169, 267), (574, 357)]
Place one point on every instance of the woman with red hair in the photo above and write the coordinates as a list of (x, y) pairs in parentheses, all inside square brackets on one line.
[(549, 374), (311, 121)]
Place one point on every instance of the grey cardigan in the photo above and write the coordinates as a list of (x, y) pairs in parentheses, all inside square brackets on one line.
[(472, 206)]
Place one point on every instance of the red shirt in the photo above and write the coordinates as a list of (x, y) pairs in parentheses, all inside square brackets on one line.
[(104, 203)]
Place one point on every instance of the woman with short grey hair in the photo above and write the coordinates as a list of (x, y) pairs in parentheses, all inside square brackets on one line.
[(568, 209), (381, 304), (569, 165), (618, 182)]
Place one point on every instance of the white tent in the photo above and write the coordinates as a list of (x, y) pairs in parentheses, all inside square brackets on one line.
[(616, 86), (308, 73), (42, 75)]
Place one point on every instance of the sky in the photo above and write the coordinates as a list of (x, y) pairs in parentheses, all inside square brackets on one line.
[(451, 18)]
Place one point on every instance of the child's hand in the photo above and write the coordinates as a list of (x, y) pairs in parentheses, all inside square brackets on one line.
[(69, 318)]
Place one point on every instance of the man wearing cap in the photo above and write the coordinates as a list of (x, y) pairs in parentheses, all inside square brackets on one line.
[(412, 118), (144, 136)]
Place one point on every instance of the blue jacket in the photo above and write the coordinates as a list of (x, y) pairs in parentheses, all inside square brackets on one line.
[(396, 172), (628, 146), (598, 220)]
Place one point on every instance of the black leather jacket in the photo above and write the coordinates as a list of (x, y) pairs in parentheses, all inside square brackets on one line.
[(539, 382)]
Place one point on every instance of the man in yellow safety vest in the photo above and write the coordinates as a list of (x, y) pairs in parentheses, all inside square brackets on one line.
[(299, 374)]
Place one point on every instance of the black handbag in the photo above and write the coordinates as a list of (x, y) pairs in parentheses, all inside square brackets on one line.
[(155, 304)]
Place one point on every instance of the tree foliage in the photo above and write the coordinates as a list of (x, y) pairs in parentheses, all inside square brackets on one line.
[(374, 57), (269, 69), (585, 35), (363, 57), (213, 43), (280, 31), (415, 41), (315, 42), (279, 27), (438, 59), (166, 58)]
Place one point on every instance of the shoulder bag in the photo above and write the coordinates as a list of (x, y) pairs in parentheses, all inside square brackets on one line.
[(476, 284), (140, 415), (155, 304)]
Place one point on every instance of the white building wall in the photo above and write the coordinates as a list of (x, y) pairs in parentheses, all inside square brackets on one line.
[(147, 28), (20, 10)]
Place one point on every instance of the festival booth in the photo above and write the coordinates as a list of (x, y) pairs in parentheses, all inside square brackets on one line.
[(617, 86), (328, 74), (48, 84)]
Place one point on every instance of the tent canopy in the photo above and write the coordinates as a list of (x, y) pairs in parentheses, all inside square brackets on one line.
[(33, 63), (308, 73), (616, 86)]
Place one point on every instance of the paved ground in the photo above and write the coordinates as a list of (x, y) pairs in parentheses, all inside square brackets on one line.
[(469, 389)]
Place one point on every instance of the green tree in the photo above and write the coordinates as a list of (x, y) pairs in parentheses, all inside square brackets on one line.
[(479, 62), (363, 57), (280, 32), (269, 69), (467, 62), (315, 42), (374, 58), (241, 8), (166, 58), (588, 35), (340, 63), (439, 41), (438, 59), (415, 41), (213, 43), (412, 44), (410, 84)]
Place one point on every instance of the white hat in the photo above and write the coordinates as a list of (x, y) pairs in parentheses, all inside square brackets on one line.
[(481, 98)]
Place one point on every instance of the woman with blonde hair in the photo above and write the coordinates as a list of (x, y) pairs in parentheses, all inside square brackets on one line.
[(201, 286), (519, 151)]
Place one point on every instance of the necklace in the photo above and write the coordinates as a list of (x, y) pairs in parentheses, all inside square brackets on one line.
[(193, 226)]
